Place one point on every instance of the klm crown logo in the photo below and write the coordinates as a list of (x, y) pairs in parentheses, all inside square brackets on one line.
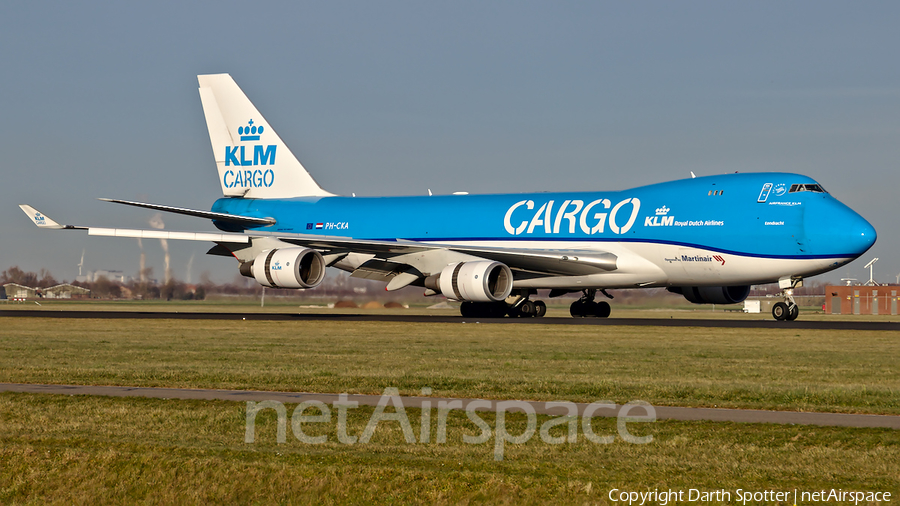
[(250, 132), (661, 219), (239, 156)]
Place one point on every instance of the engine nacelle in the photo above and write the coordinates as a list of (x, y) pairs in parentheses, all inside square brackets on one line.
[(289, 268), (480, 281), (713, 294)]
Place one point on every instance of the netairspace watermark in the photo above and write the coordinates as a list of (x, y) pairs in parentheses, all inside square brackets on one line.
[(741, 496), (501, 436)]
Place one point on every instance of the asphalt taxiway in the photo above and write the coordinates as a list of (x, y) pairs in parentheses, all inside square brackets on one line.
[(661, 412), (761, 322)]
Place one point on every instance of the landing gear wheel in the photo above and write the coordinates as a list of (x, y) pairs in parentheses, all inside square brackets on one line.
[(577, 309), (471, 309), (540, 309), (780, 311), (527, 309), (793, 312), (602, 309), (582, 308), (494, 309)]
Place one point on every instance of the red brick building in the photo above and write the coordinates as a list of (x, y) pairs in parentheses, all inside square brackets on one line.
[(859, 299)]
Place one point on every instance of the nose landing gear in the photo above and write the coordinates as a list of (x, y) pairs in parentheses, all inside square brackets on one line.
[(787, 310)]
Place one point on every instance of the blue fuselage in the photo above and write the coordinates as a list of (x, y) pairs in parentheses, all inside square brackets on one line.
[(763, 215)]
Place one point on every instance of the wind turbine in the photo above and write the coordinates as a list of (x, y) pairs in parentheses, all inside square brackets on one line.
[(871, 281), (81, 263)]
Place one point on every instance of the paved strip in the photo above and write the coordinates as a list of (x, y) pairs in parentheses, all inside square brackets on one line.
[(762, 323), (662, 412)]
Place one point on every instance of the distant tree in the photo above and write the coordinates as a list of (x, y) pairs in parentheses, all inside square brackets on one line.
[(103, 288), (205, 279), (144, 289), (174, 290), (16, 275), (46, 279), (146, 274)]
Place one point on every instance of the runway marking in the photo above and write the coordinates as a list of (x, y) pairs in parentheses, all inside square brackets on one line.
[(662, 412), (398, 318)]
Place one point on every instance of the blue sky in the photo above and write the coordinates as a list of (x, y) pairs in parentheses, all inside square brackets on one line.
[(382, 98)]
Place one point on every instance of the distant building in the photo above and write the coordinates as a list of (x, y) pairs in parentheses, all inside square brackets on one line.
[(66, 291), (860, 299), (93, 276), (17, 291)]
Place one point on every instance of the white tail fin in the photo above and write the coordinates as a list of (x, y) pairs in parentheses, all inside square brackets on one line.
[(252, 160), (39, 218)]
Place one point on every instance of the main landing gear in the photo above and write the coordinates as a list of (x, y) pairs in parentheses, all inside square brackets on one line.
[(787, 310), (587, 306), (517, 306)]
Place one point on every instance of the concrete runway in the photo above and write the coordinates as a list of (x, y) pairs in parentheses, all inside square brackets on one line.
[(662, 412), (761, 322)]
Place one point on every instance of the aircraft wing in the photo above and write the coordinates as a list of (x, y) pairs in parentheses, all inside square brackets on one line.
[(389, 257), (562, 262), (559, 262), (43, 221), (230, 218), (337, 243)]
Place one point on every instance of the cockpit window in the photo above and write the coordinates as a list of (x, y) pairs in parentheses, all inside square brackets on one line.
[(815, 188)]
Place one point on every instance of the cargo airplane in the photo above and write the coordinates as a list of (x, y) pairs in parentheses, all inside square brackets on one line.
[(707, 238)]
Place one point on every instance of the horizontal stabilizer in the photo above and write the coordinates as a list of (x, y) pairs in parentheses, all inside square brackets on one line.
[(230, 218)]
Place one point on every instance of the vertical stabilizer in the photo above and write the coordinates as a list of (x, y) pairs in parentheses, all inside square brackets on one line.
[(252, 160)]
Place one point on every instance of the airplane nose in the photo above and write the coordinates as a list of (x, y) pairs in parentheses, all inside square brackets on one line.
[(864, 235), (855, 234), (843, 232)]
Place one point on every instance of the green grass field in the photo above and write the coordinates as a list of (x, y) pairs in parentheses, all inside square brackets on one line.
[(87, 449), (785, 369), (108, 450)]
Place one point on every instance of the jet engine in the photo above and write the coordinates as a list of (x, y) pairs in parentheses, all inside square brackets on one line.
[(480, 281), (713, 294), (288, 268)]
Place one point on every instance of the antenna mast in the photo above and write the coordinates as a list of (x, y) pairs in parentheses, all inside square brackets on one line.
[(871, 281)]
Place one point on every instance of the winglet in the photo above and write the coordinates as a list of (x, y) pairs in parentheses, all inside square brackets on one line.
[(39, 218)]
